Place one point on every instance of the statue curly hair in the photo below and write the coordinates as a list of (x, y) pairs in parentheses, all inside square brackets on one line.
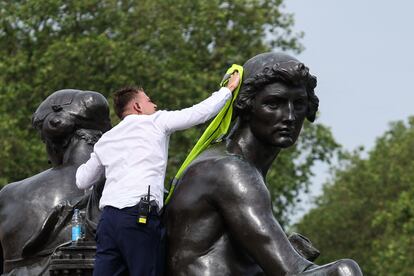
[(269, 68)]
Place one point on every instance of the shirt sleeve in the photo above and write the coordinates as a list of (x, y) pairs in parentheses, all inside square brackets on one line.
[(88, 173), (173, 121)]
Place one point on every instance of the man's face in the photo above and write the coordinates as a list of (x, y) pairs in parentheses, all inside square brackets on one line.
[(146, 105), (278, 114)]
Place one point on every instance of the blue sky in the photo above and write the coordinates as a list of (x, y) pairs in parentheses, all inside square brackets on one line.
[(362, 54)]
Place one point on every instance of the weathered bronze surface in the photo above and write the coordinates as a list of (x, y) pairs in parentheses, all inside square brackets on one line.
[(220, 221), (35, 213)]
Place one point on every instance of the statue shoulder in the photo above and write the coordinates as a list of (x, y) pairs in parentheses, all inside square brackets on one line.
[(9, 189), (24, 186), (222, 167), (224, 179)]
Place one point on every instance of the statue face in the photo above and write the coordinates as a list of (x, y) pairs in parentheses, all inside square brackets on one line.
[(278, 113), (58, 125)]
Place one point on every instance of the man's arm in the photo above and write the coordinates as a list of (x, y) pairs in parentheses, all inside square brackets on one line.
[(90, 173), (173, 121), (245, 205)]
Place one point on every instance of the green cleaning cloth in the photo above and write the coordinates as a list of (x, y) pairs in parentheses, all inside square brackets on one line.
[(216, 130)]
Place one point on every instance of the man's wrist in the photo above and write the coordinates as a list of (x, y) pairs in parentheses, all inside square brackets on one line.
[(225, 89)]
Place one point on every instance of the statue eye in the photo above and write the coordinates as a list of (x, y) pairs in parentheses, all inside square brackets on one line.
[(299, 104), (273, 105), (274, 102)]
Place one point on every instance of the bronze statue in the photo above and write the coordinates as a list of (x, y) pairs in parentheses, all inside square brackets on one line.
[(220, 221), (35, 213)]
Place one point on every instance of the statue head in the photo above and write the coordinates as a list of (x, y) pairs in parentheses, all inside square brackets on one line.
[(67, 112), (276, 95)]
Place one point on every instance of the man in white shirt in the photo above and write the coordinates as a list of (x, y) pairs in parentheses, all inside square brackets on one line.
[(133, 157)]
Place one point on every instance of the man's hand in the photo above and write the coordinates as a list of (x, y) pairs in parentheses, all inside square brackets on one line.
[(233, 81)]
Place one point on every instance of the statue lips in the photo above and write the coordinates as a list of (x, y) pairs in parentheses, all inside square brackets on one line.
[(286, 135), (285, 131)]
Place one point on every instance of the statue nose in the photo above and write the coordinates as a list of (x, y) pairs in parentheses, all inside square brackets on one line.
[(290, 116), (55, 122)]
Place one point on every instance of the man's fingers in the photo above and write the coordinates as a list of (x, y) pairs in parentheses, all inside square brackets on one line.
[(235, 74), (233, 81)]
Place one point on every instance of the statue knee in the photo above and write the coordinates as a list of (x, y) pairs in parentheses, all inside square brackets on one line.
[(347, 267)]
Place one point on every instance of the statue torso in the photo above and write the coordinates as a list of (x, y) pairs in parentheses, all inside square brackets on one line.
[(199, 242), (24, 206)]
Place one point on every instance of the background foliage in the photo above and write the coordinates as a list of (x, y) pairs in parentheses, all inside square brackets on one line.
[(178, 50), (367, 211)]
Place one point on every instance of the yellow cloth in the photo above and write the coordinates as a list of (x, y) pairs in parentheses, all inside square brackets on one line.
[(217, 128)]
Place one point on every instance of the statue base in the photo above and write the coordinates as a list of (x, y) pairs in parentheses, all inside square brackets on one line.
[(74, 259)]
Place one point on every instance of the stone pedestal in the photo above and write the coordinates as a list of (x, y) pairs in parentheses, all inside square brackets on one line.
[(74, 259)]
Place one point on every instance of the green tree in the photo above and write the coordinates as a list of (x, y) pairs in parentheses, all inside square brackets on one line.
[(178, 50), (366, 212)]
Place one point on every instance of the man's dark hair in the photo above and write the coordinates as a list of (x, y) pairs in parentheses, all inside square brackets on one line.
[(278, 68), (122, 97)]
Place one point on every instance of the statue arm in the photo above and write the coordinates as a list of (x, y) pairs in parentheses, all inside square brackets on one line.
[(1, 230), (245, 205), (1, 259)]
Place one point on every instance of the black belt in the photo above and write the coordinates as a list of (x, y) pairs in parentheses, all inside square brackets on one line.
[(154, 209)]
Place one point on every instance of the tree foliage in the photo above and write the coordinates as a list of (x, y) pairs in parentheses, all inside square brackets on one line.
[(367, 212), (178, 50)]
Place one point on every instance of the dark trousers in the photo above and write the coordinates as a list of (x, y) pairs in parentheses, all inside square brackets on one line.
[(125, 247)]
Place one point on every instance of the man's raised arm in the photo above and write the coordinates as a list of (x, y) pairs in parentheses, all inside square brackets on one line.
[(173, 121)]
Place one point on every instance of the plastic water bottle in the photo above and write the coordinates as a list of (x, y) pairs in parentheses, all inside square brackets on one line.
[(83, 216), (76, 226)]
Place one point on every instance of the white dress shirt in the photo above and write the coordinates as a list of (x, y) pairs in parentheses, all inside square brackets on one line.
[(134, 153)]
